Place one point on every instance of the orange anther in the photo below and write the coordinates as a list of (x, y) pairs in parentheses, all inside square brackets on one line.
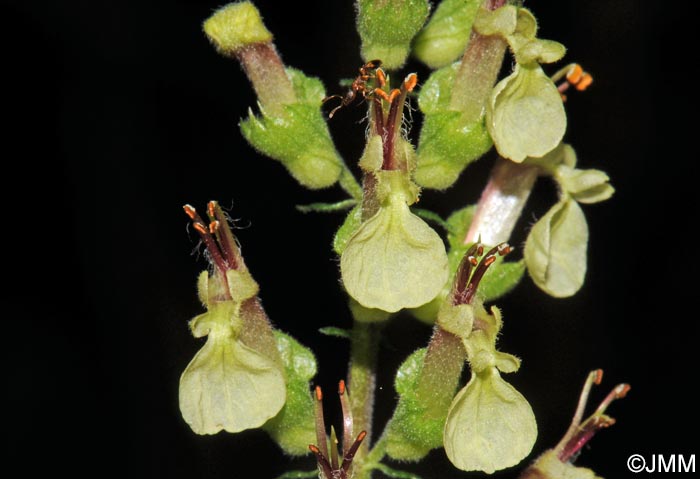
[(314, 449), (211, 208), (394, 93), (319, 393), (214, 226), (200, 228), (381, 77), (381, 94), (341, 387), (621, 390), (190, 211), (574, 74), (410, 82), (489, 260), (361, 436), (598, 376), (584, 82)]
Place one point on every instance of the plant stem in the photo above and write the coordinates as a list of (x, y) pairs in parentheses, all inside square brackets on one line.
[(501, 202), (362, 381)]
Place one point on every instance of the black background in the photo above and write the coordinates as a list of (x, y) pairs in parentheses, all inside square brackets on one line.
[(121, 112)]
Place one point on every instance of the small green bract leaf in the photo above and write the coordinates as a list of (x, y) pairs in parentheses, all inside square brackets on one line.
[(299, 138), (386, 28), (294, 427), (445, 37), (228, 386), (394, 260), (555, 250), (490, 425), (525, 114)]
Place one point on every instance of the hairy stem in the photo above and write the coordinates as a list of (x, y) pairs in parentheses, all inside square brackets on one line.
[(501, 202), (362, 377)]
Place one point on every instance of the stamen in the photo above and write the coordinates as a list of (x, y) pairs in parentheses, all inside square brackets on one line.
[(464, 272), (320, 422), (350, 454), (322, 461), (579, 434), (224, 236), (410, 82), (347, 414)]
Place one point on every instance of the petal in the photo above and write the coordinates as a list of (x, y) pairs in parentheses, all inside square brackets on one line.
[(394, 260), (525, 115), (490, 425), (229, 386)]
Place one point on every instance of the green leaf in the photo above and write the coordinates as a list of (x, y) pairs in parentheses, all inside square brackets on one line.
[(445, 37), (458, 226), (327, 207), (229, 386), (394, 260), (447, 146), (525, 115), (411, 434), (500, 279), (299, 138), (556, 248), (585, 186), (351, 224), (448, 143), (294, 427), (408, 372), (490, 425), (336, 332), (386, 28)]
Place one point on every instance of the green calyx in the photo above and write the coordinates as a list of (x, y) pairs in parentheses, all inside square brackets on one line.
[(449, 141), (445, 37), (236, 26), (416, 427), (386, 28), (293, 427), (298, 137)]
